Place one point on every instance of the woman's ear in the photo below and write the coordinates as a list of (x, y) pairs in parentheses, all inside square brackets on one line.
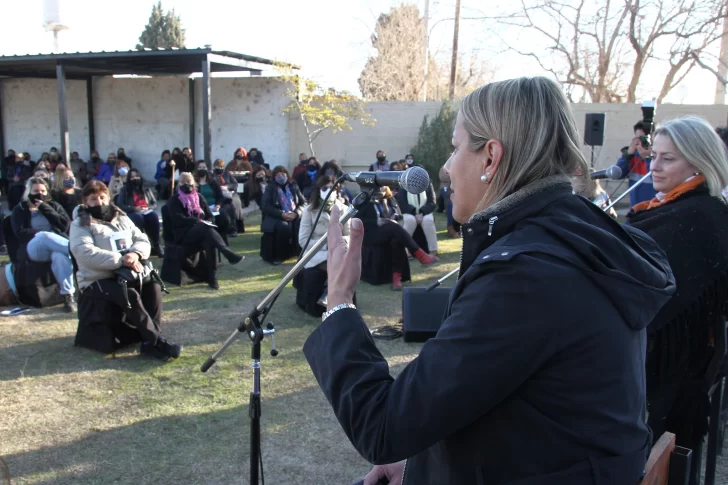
[(493, 151)]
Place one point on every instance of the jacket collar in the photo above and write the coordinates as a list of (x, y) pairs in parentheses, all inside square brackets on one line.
[(85, 219), (490, 225)]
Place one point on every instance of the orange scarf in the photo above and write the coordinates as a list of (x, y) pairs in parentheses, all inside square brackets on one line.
[(681, 189)]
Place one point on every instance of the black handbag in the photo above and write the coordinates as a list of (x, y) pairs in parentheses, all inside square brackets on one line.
[(127, 276)]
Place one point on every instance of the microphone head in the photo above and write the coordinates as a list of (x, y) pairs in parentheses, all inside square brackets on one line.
[(614, 172), (414, 180)]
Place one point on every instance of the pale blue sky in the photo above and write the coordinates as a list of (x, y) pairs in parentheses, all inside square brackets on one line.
[(329, 38)]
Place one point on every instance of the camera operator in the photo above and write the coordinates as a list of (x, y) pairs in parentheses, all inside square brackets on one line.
[(635, 163)]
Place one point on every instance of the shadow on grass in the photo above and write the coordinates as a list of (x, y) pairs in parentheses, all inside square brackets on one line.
[(302, 444)]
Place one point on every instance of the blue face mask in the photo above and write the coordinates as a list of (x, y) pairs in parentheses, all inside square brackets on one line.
[(281, 179), (68, 183)]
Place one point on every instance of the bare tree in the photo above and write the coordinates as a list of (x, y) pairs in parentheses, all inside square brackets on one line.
[(395, 73), (601, 49)]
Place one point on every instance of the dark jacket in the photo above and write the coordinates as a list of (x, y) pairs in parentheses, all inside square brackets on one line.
[(125, 199), (370, 216), (271, 205), (228, 181), (305, 184), (427, 208), (53, 211), (536, 376), (182, 221), (68, 201)]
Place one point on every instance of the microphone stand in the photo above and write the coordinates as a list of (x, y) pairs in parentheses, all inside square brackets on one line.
[(636, 184), (252, 325)]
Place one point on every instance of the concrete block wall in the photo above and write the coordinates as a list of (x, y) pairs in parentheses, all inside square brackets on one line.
[(146, 116)]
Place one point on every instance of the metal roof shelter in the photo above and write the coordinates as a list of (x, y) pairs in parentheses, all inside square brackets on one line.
[(161, 62)]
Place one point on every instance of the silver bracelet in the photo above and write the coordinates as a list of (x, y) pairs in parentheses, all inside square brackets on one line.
[(336, 309)]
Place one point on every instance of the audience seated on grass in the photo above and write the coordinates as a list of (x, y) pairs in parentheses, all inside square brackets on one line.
[(255, 187), (41, 226), (212, 192), (192, 223), (417, 210), (282, 205), (103, 241), (231, 205), (139, 204), (383, 253)]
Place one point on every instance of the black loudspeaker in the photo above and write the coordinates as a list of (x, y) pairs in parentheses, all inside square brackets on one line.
[(594, 129), (422, 312)]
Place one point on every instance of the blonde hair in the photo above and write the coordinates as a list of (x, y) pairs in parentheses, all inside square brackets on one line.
[(58, 176), (186, 176), (35, 181), (701, 146), (532, 120)]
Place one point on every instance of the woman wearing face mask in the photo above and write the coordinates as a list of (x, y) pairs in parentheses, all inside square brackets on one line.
[(307, 179), (192, 225), (255, 157), (332, 169), (231, 203), (164, 175), (240, 162), (93, 165), (214, 197), (41, 226), (58, 177), (321, 190), (121, 155), (107, 169), (255, 186), (70, 195), (139, 204), (516, 387), (688, 218), (94, 243), (121, 172), (281, 205), (381, 165), (380, 216)]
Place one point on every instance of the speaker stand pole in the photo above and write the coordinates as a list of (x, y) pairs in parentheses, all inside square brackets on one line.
[(592, 156)]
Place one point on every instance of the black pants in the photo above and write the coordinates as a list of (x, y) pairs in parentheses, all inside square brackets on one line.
[(392, 231), (146, 308), (227, 213), (149, 223), (282, 243), (208, 239), (397, 238)]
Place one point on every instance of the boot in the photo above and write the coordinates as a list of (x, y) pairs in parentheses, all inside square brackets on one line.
[(69, 303), (241, 226), (162, 350), (452, 232), (231, 256), (425, 258), (397, 281)]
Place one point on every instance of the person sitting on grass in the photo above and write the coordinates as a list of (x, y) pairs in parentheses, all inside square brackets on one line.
[(192, 225), (95, 233)]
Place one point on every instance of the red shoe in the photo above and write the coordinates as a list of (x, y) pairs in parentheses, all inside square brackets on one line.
[(424, 258), (397, 281)]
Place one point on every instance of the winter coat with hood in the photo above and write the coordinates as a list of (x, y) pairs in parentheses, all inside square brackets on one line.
[(91, 244), (537, 374)]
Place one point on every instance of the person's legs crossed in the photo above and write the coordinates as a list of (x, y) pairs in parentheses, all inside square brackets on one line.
[(62, 269), (44, 243)]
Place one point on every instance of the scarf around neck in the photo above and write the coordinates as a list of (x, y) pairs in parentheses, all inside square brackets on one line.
[(690, 184), (191, 203)]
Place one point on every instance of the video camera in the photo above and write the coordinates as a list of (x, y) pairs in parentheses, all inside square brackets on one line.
[(648, 119)]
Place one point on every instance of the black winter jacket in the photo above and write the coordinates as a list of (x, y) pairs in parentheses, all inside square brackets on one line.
[(271, 205), (125, 199), (427, 208), (536, 376), (182, 221), (53, 211)]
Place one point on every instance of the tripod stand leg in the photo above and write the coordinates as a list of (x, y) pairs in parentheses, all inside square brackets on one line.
[(254, 415)]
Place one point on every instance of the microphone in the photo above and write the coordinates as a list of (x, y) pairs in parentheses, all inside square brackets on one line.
[(414, 180), (613, 172)]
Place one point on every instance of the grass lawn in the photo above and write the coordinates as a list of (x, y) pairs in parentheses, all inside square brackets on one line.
[(74, 416)]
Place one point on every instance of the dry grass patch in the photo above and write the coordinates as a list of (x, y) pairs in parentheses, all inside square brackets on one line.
[(73, 416)]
